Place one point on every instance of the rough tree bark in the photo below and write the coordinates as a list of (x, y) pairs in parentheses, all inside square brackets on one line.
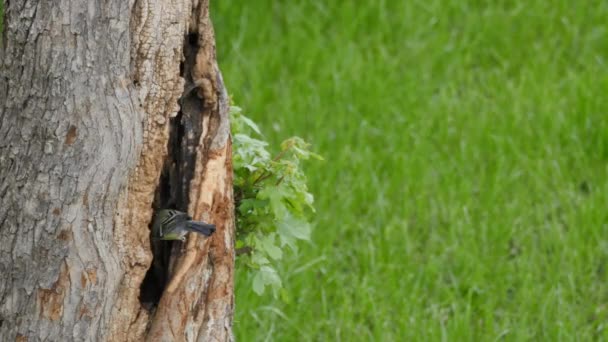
[(108, 111)]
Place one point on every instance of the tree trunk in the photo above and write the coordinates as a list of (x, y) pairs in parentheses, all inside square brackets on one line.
[(108, 111)]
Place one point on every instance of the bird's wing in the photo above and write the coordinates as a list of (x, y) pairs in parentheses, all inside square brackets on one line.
[(172, 219)]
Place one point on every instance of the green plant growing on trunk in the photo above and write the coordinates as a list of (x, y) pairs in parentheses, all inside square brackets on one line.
[(273, 205)]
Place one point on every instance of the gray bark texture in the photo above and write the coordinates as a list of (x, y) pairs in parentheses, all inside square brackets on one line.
[(108, 111)]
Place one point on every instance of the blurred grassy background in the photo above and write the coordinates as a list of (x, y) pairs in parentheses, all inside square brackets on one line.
[(464, 192)]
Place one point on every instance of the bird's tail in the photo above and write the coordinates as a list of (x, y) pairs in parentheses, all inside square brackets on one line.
[(200, 227)]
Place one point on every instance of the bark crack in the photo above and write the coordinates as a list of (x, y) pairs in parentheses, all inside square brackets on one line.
[(197, 303), (185, 130)]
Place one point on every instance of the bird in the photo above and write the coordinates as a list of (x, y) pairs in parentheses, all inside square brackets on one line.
[(171, 224), (168, 225)]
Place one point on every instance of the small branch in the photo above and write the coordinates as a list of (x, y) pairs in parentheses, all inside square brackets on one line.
[(244, 250), (267, 174), (262, 176), (280, 155)]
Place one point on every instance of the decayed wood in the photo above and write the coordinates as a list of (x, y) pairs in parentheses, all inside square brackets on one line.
[(157, 30), (202, 282), (87, 94)]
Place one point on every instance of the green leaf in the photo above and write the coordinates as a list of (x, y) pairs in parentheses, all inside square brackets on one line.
[(251, 124), (297, 228), (258, 259), (250, 204), (249, 141), (267, 244), (258, 284), (309, 199), (266, 276), (235, 110), (275, 194), (271, 277)]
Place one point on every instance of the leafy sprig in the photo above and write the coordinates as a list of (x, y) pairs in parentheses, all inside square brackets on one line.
[(273, 204)]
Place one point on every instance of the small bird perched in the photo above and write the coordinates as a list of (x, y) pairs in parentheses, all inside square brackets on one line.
[(170, 224)]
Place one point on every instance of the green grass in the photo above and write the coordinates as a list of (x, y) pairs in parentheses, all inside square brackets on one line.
[(464, 195)]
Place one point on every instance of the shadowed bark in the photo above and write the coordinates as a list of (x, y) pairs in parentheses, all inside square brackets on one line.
[(109, 111)]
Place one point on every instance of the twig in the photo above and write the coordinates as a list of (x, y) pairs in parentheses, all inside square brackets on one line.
[(244, 250)]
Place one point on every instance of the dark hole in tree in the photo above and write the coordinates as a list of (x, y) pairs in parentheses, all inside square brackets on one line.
[(193, 38), (155, 280), (173, 187), (157, 276)]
